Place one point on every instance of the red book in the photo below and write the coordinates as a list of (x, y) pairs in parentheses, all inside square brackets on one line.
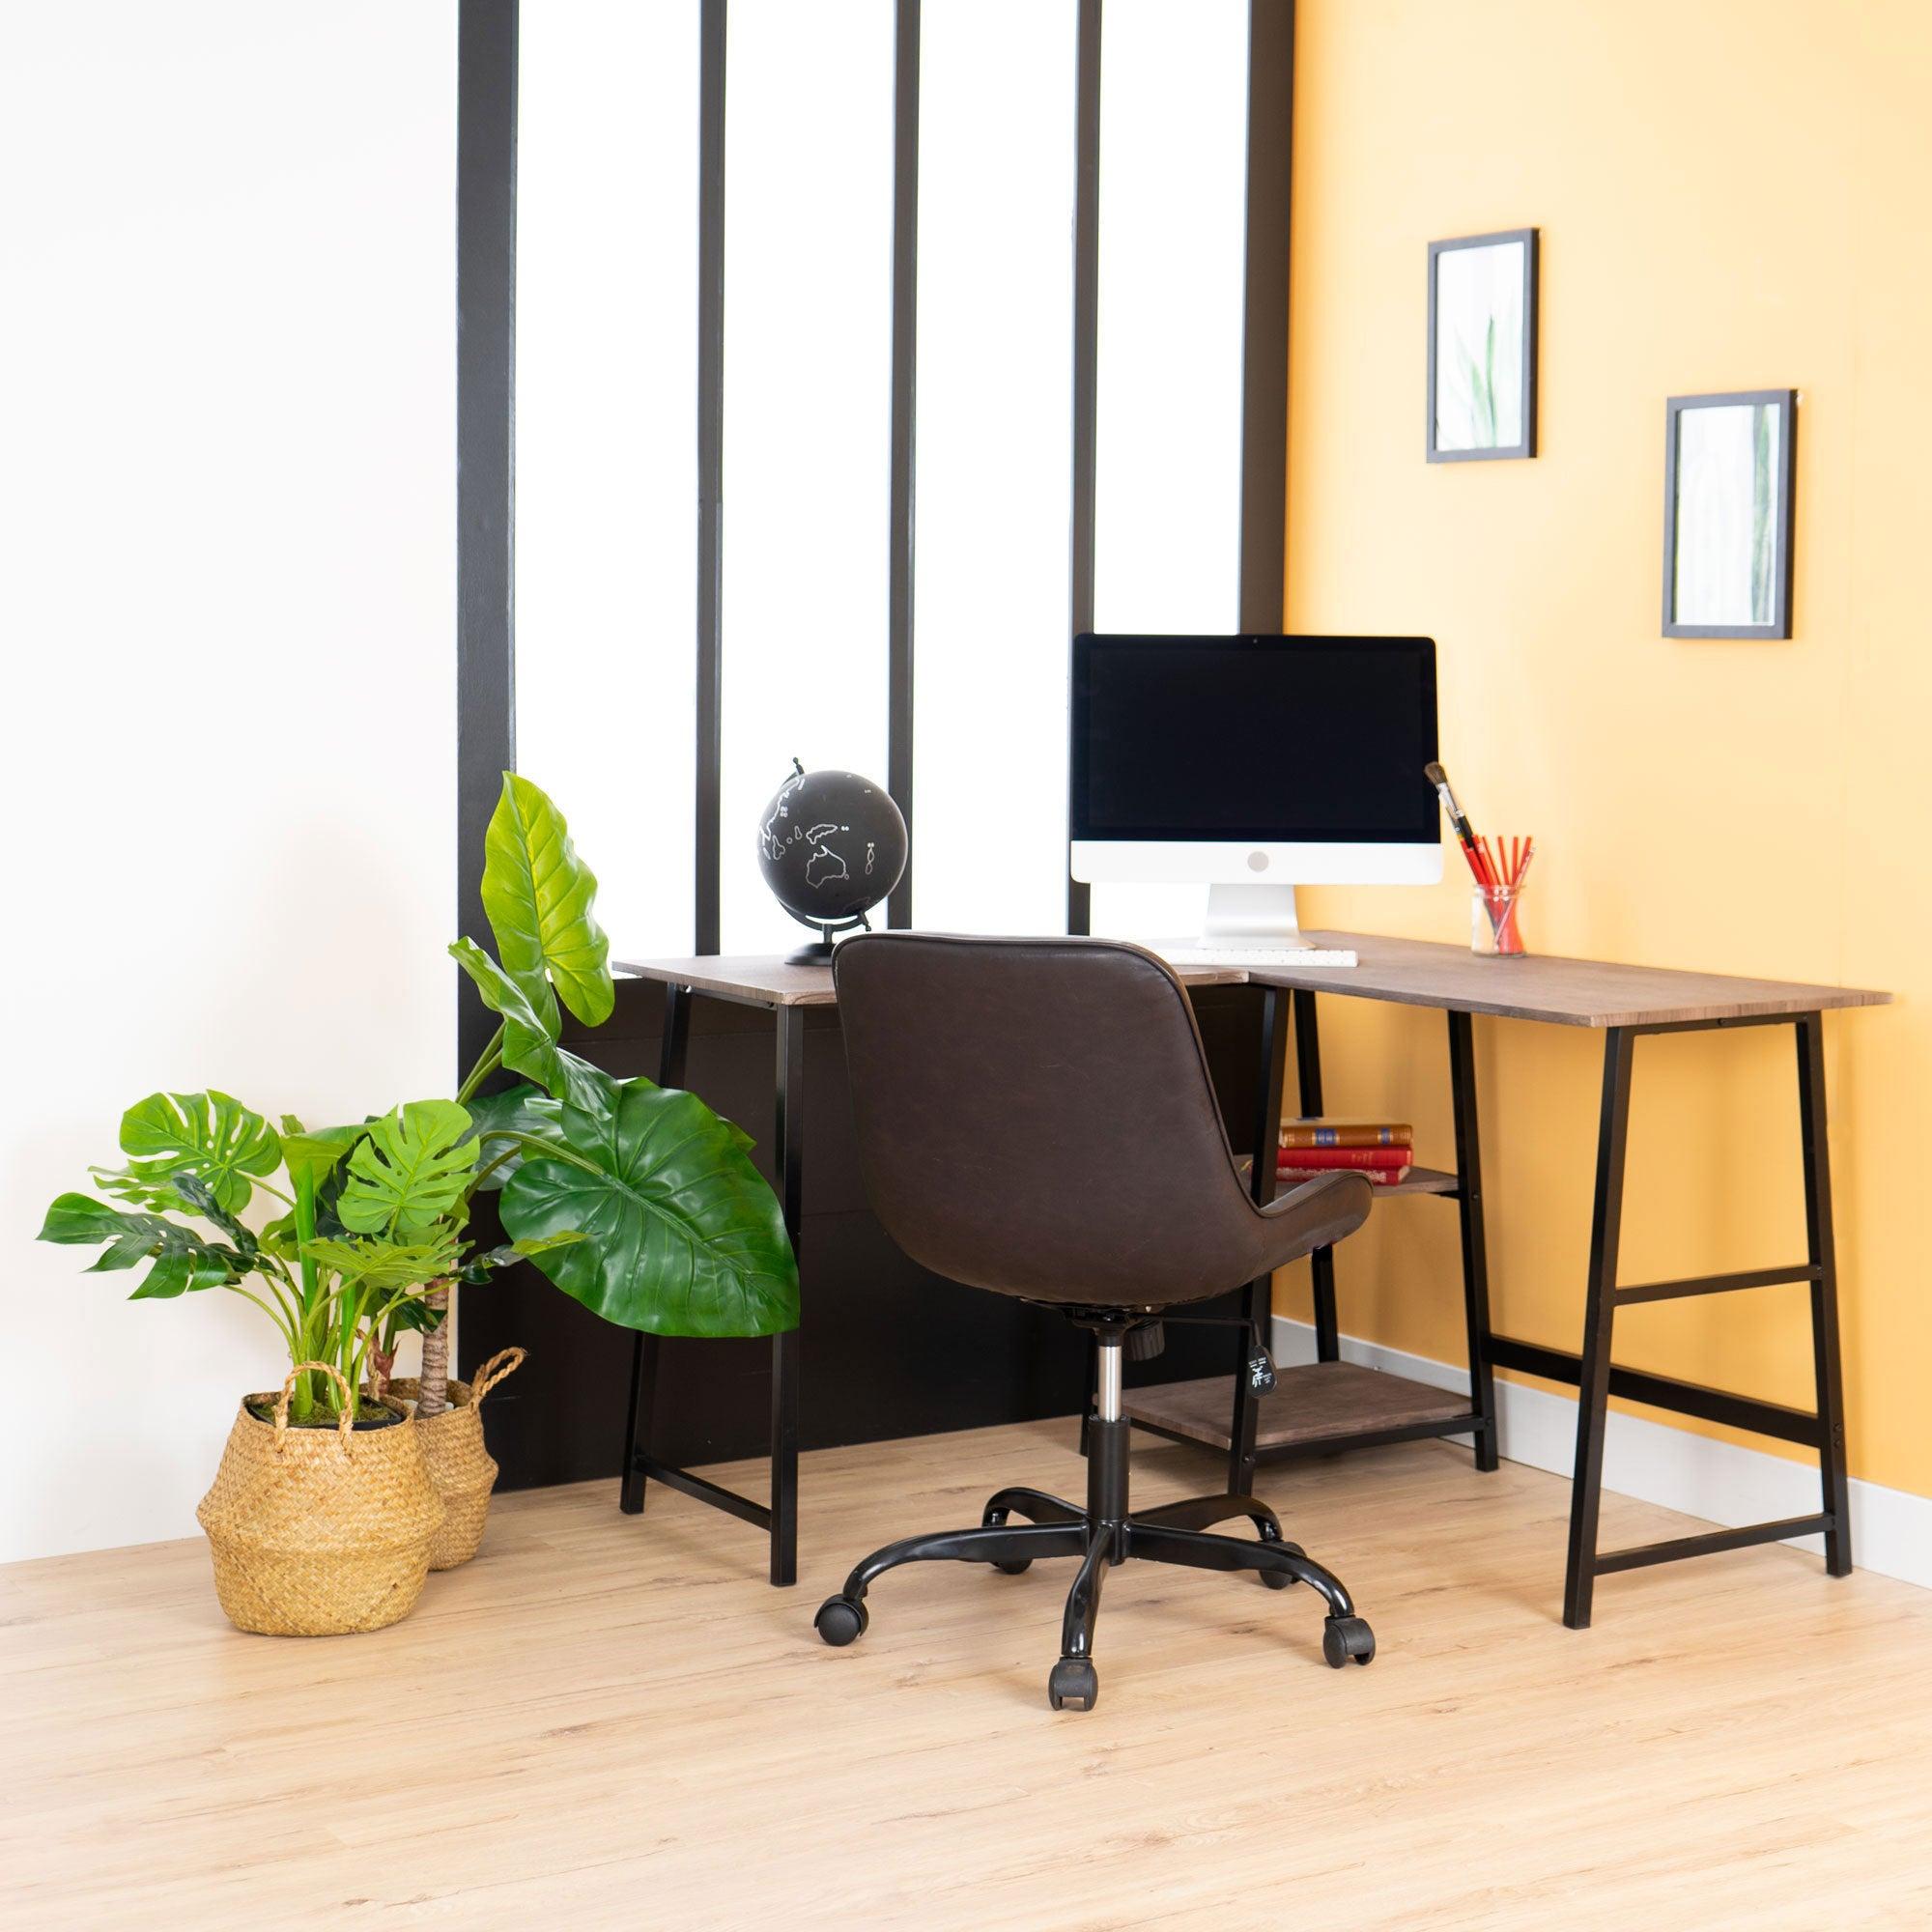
[(1345, 1157), (1376, 1176)]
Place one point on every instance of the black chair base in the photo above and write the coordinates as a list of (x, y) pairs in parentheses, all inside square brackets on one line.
[(1101, 1536)]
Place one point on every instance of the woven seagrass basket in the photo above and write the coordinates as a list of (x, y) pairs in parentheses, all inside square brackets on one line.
[(319, 1532), (458, 1465)]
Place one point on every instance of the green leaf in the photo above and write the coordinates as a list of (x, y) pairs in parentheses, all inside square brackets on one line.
[(506, 996), (77, 1220), (537, 895), (529, 1046), (211, 1135), (480, 1268), (412, 1169), (569, 1078), (316, 1155), (387, 1265), (682, 1236), (182, 1258), (200, 1197), (497, 1115), (178, 1274), (413, 1315)]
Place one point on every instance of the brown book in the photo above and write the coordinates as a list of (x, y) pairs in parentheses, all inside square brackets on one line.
[(1335, 1133)]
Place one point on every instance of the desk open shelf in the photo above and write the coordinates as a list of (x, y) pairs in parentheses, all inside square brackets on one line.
[(1327, 1403), (1314, 1405)]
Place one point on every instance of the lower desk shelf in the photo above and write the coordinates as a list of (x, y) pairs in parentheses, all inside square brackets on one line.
[(1317, 1405)]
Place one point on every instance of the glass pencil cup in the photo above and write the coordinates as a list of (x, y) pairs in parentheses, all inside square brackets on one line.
[(1494, 931)]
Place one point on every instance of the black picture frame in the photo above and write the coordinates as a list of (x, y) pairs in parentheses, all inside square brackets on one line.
[(1532, 241), (1785, 472)]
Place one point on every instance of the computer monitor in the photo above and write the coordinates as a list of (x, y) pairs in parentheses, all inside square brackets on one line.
[(1254, 764)]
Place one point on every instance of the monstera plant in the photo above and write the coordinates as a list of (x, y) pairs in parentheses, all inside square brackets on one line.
[(636, 1200), (373, 1222)]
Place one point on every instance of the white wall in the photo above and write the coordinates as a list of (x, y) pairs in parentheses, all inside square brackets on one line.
[(227, 628)]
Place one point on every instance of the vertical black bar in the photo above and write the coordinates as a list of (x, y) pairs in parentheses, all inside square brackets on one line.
[(1086, 350), (1264, 316), (644, 1351), (486, 315), (900, 658), (1475, 1240), (788, 1142), (647, 1347), (1308, 1089), (1593, 1388), (710, 465), (1258, 1297), (1824, 1257)]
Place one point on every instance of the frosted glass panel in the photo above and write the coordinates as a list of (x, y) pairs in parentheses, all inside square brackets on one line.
[(808, 363), (994, 463), (1172, 189), (607, 477)]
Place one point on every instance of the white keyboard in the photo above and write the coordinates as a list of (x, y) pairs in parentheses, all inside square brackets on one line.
[(1260, 956)]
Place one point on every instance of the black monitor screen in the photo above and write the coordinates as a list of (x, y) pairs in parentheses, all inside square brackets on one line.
[(1271, 740)]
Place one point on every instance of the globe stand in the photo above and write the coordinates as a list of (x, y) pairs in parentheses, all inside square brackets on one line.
[(819, 951)]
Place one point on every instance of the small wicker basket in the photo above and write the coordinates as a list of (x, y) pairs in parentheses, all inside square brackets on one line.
[(460, 1466), (319, 1532)]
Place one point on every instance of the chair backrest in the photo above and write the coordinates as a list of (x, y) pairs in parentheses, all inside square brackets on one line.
[(1036, 1116)]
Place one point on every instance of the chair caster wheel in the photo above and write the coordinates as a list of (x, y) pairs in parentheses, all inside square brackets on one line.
[(1015, 1566), (840, 1621), (1074, 1681), (1280, 1580), (1344, 1637)]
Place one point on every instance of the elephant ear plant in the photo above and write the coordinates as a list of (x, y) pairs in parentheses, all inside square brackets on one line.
[(636, 1200)]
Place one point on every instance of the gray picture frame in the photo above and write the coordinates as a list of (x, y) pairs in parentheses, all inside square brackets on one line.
[(1783, 473), (1530, 240)]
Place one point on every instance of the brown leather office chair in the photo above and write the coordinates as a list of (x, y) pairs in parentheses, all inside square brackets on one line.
[(1036, 1118)]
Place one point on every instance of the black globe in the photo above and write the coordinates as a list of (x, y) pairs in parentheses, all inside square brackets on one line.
[(831, 845)]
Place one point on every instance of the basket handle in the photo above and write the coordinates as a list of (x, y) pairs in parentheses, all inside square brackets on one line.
[(348, 1417), (500, 1367)]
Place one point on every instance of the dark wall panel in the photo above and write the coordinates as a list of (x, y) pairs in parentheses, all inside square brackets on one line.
[(887, 1348)]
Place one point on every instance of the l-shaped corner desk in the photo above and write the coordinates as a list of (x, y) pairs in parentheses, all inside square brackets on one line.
[(1330, 1404)]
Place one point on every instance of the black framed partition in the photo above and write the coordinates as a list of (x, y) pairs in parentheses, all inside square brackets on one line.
[(737, 484)]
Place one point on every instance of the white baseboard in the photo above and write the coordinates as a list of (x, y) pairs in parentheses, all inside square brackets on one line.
[(1722, 1482)]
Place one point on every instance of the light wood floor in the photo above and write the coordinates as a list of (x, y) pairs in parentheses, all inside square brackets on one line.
[(614, 1722)]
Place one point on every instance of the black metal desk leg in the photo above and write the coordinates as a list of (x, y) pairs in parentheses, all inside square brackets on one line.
[(1594, 1380), (1824, 1257), (1308, 1092), (1475, 1244), (788, 1148), (637, 1434), (644, 1347), (1258, 1297)]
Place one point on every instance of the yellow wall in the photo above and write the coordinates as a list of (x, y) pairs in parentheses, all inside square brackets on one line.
[(1732, 194)]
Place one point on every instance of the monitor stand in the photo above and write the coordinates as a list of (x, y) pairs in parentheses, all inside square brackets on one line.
[(1251, 915)]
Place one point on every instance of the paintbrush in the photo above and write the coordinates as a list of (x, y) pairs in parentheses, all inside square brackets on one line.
[(1458, 821)]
